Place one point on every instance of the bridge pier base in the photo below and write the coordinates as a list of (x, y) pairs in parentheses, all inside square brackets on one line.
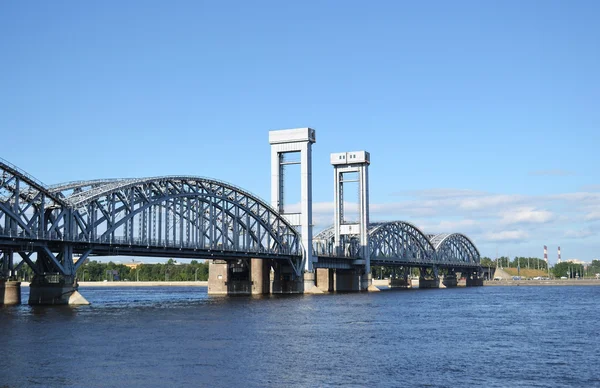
[(310, 284), (10, 292), (400, 283), (366, 283), (324, 277), (474, 281), (429, 283), (450, 281), (284, 281), (346, 280), (55, 290), (217, 277), (260, 276), (235, 277)]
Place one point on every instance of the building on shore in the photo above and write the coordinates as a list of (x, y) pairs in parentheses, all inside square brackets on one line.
[(133, 264)]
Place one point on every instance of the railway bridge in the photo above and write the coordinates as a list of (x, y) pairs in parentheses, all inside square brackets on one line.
[(253, 246)]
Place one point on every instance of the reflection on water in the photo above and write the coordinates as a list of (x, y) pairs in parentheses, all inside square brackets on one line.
[(179, 336)]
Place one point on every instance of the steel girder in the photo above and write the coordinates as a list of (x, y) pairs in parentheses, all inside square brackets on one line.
[(193, 215)]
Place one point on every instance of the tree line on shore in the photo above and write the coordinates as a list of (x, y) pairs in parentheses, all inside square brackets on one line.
[(170, 271), (173, 271), (565, 268)]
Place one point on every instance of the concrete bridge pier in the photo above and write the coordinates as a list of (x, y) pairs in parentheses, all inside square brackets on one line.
[(343, 280), (324, 279), (284, 280), (366, 283), (260, 276), (346, 280), (55, 289), (217, 277), (400, 280), (10, 292), (310, 283), (429, 283), (428, 278), (473, 279), (450, 280), (239, 277)]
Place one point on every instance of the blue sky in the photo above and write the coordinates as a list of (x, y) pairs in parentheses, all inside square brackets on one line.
[(480, 117)]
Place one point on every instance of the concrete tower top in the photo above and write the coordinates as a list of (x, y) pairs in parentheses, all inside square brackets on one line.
[(292, 135), (350, 157)]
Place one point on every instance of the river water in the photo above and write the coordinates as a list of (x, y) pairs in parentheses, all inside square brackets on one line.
[(179, 336)]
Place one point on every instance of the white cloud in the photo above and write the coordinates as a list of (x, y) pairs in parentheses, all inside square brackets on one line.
[(489, 201), (526, 216), (449, 226), (593, 216)]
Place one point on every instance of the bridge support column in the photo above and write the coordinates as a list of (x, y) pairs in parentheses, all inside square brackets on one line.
[(428, 278), (346, 280), (400, 280), (10, 292), (229, 277), (366, 283), (54, 289), (399, 283), (473, 280), (429, 283), (325, 279), (217, 277), (284, 281), (310, 284), (260, 276), (449, 281)]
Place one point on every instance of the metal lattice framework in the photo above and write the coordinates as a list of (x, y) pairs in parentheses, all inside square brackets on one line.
[(172, 216), (402, 243), (456, 248), (399, 241)]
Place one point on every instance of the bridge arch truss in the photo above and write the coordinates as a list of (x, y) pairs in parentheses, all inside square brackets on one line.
[(457, 249), (178, 216), (402, 243)]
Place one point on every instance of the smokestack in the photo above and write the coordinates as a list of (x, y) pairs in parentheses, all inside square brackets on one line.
[(559, 254), (546, 254)]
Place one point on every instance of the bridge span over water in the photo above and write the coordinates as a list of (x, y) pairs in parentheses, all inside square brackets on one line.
[(253, 246)]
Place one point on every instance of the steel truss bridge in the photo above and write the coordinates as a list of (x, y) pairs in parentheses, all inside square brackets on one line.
[(400, 243), (185, 217), (171, 216)]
